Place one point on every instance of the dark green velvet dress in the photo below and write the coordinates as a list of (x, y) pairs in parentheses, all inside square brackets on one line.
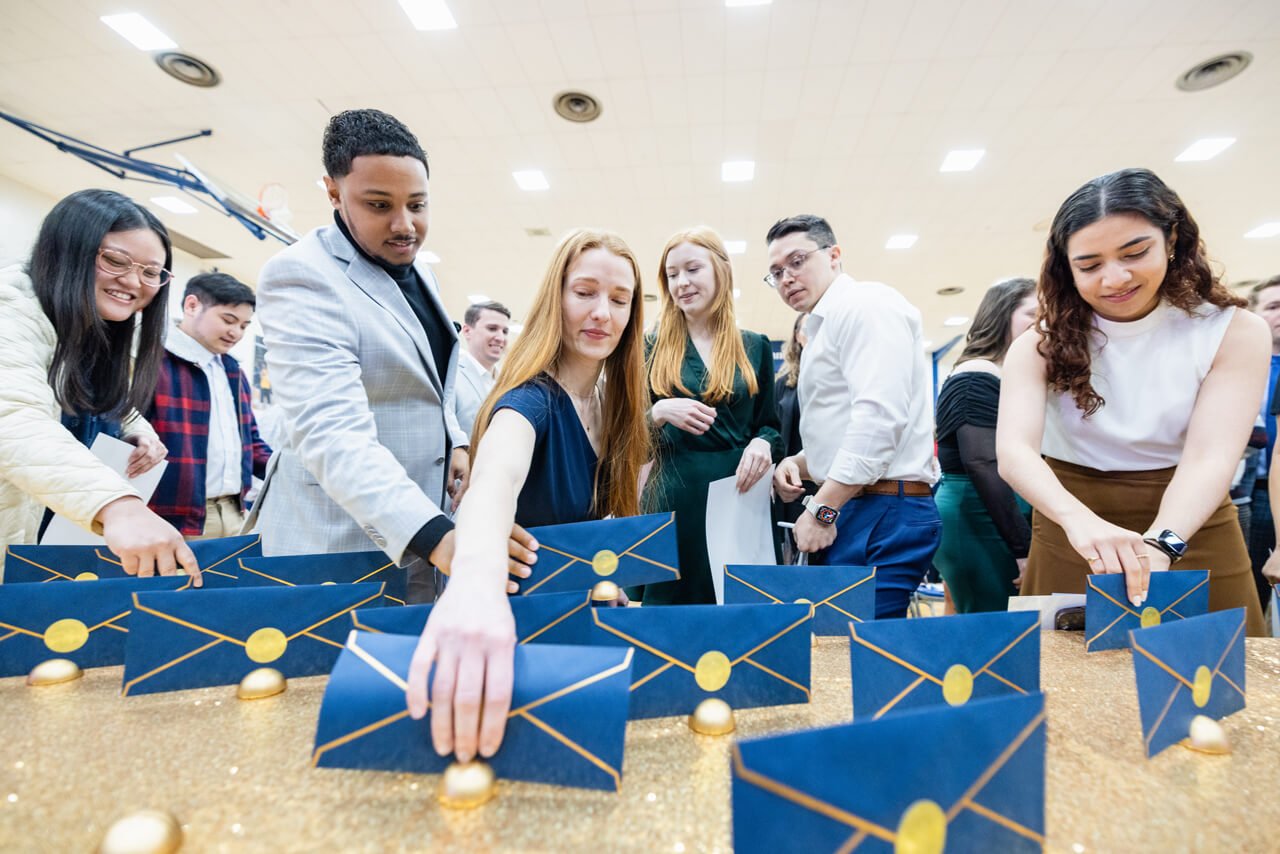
[(685, 464)]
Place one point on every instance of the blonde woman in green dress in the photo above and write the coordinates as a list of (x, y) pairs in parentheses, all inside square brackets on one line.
[(713, 403)]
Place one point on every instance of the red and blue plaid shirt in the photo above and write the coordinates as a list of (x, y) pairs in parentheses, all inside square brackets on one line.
[(180, 414)]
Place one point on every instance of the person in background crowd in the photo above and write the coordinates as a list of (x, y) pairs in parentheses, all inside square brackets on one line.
[(484, 335), (787, 386), (985, 530), (713, 403), (264, 386), (203, 412), (69, 321), (363, 355), (561, 438), (1271, 569), (866, 417), (1139, 385), (1264, 300)]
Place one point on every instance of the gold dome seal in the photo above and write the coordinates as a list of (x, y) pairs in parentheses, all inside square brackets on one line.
[(261, 683), (55, 671), (143, 832), (712, 717), (467, 785), (604, 591)]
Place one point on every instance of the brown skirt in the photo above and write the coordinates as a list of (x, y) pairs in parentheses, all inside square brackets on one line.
[(1131, 500)]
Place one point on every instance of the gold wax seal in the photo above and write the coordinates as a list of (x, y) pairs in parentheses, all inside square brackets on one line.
[(1207, 736), (261, 683), (604, 591), (66, 635), (712, 717), (1149, 617), (144, 832), (604, 562), (87, 576), (1202, 687), (55, 671), (266, 645), (957, 685), (712, 670), (922, 830), (466, 785)]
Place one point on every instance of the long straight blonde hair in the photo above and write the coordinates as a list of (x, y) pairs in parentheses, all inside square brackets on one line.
[(625, 439), (727, 352)]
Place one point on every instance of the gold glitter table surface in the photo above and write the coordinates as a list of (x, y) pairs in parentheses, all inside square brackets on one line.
[(75, 757)]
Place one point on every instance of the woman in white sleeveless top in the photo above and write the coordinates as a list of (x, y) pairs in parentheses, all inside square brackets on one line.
[(1139, 385)]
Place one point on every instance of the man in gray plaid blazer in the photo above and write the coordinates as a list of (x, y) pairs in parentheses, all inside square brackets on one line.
[(362, 358)]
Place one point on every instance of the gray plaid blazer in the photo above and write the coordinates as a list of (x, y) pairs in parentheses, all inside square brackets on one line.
[(366, 417)]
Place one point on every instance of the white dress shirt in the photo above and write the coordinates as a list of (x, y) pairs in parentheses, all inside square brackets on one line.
[(866, 389), (474, 383), (225, 451)]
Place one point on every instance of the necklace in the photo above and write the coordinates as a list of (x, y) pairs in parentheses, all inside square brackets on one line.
[(583, 405)]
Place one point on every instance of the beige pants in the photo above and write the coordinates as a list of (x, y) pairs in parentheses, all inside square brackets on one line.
[(222, 518)]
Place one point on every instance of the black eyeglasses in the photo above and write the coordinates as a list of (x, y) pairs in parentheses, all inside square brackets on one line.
[(795, 264), (113, 262)]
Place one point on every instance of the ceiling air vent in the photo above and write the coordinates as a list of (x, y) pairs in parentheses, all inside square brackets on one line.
[(188, 69), (1213, 72), (950, 291), (541, 231), (577, 107)]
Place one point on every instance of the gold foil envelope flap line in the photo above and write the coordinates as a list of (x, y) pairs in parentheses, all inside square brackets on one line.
[(628, 552)]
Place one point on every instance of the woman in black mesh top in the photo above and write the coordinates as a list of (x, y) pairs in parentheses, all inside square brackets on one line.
[(985, 532)]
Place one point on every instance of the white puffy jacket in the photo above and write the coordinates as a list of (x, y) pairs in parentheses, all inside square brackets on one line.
[(41, 463)]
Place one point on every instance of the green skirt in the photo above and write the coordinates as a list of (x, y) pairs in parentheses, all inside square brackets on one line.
[(973, 559)]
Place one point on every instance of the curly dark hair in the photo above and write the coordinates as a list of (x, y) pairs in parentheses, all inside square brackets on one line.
[(356, 133), (1065, 320)]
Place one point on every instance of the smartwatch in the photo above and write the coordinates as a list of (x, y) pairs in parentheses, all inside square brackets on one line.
[(1169, 543), (824, 514)]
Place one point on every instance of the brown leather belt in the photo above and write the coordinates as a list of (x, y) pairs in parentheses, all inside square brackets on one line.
[(900, 488)]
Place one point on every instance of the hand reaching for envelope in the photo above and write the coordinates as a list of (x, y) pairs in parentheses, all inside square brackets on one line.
[(521, 555)]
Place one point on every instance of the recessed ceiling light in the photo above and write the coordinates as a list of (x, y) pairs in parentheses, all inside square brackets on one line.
[(737, 170), (320, 184), (429, 14), (173, 204), (735, 247), (531, 179), (514, 329), (1267, 229), (928, 345), (139, 32), (958, 320), (475, 299), (737, 292), (736, 3), (429, 256), (1206, 149), (961, 159), (901, 241)]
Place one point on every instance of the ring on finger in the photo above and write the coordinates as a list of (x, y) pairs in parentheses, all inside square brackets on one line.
[(1093, 559)]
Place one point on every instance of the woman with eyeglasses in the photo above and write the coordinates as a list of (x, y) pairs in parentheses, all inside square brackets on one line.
[(713, 403), (69, 321), (1125, 410)]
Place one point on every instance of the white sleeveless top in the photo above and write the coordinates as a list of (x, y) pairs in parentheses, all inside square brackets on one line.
[(1149, 373)]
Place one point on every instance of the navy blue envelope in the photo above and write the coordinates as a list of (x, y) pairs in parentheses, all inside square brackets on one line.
[(217, 558), (629, 551), (838, 593), (1186, 668), (87, 623), (561, 618), (747, 655), (337, 568), (567, 723), (216, 637), (866, 786), (1109, 617), (914, 663)]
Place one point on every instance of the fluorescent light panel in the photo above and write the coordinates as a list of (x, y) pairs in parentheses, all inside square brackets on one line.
[(1206, 149), (961, 159), (958, 320), (429, 256), (737, 170), (477, 298), (735, 247), (173, 204), (139, 32), (1267, 229), (733, 4), (531, 179), (429, 14), (901, 241)]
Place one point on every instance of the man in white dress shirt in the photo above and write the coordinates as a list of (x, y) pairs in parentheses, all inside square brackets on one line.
[(485, 327), (866, 417)]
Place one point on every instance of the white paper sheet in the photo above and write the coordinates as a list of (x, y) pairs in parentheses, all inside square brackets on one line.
[(739, 530), (115, 453), (1048, 606)]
